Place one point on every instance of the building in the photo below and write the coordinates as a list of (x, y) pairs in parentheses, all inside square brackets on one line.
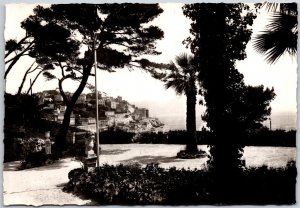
[(81, 99), (123, 119), (103, 121), (109, 113), (91, 120), (113, 105), (62, 108), (119, 99), (141, 113), (122, 107), (72, 120), (58, 98), (47, 100), (131, 108), (101, 101), (60, 117), (86, 121)]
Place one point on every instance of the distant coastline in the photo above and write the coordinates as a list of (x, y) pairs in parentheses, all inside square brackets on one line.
[(285, 121)]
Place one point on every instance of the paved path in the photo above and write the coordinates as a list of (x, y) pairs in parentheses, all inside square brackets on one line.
[(39, 186), (43, 185)]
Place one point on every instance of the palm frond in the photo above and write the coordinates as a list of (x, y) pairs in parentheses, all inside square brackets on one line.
[(271, 7), (280, 21), (279, 37), (284, 8), (182, 60), (178, 85), (179, 74)]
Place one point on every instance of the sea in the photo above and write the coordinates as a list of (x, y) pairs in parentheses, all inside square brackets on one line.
[(285, 121)]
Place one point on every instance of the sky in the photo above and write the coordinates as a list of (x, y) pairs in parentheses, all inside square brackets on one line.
[(140, 88)]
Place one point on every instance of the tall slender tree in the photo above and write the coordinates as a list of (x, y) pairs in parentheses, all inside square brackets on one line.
[(182, 77), (220, 33), (120, 31)]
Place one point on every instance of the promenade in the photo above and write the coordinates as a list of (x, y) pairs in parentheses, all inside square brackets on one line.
[(43, 185)]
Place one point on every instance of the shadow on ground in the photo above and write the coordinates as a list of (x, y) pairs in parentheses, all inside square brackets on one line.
[(11, 166), (56, 165), (113, 152), (147, 159)]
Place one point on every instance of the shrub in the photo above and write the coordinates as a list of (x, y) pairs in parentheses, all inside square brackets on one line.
[(31, 145), (118, 136), (183, 154), (133, 184), (33, 150)]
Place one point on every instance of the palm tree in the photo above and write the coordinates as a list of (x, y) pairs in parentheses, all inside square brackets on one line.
[(281, 33), (182, 77)]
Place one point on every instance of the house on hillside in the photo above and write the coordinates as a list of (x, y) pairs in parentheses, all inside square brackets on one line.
[(111, 103), (141, 113), (81, 99), (121, 107), (103, 122), (109, 113), (60, 117), (101, 102), (119, 99), (58, 98)]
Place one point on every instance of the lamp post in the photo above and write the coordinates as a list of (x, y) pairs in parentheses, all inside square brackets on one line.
[(96, 91)]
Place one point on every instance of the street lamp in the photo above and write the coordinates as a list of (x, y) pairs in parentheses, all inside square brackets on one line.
[(96, 91)]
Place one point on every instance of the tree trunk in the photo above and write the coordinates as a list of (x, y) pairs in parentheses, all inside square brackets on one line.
[(191, 145), (24, 78), (30, 87), (15, 60), (60, 138)]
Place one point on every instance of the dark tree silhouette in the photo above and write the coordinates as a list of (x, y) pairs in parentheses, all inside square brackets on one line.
[(120, 30), (14, 50), (220, 33), (22, 110), (220, 37), (280, 34), (182, 77)]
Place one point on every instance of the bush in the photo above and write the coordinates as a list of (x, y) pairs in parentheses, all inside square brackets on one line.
[(183, 154), (33, 151), (117, 136), (133, 184)]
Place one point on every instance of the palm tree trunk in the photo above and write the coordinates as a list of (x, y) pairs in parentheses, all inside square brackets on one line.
[(191, 145)]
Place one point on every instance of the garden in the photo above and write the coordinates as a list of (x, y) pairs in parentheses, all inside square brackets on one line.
[(136, 185)]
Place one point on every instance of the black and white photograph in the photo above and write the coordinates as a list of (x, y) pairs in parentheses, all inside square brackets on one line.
[(150, 103)]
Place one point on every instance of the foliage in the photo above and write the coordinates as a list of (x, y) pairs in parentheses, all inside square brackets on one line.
[(115, 136), (33, 150), (151, 138), (188, 155), (220, 33), (76, 26), (278, 137), (259, 137), (32, 145), (280, 34), (21, 109), (132, 185)]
